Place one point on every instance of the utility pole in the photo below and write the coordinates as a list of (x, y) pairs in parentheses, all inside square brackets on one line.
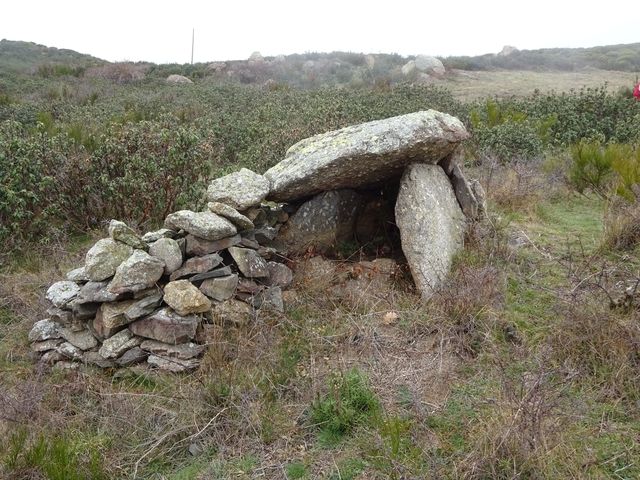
[(193, 36)]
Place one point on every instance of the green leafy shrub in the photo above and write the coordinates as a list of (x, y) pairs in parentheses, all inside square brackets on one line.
[(349, 403), (504, 132)]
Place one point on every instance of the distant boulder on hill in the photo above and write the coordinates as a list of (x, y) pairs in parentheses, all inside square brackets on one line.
[(178, 79), (507, 50), (424, 64)]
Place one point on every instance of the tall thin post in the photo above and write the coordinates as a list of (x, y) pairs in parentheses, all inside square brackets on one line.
[(193, 36)]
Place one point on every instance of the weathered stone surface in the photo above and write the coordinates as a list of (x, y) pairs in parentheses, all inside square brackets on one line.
[(230, 213), (279, 275), (156, 235), (431, 224), (464, 193), (78, 275), (428, 64), (166, 326), (174, 365), (94, 358), (69, 351), (240, 190), (111, 318), (178, 79), (82, 311), (118, 344), (60, 316), (138, 272), (481, 197), (197, 265), (199, 246), (46, 345), (217, 273), (220, 289), (84, 340), (51, 357), (167, 250), (363, 154), (44, 330), (121, 232), (322, 223), (271, 299), (185, 298), (205, 225), (452, 160), (61, 293), (144, 306), (233, 311), (92, 292), (104, 257), (132, 357), (249, 262), (246, 285), (184, 351)]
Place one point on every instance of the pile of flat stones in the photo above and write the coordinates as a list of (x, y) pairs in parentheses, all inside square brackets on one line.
[(146, 298)]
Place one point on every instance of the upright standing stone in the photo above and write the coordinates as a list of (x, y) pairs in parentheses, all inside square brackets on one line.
[(431, 224)]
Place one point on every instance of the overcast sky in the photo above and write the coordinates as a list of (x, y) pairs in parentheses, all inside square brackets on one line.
[(160, 30)]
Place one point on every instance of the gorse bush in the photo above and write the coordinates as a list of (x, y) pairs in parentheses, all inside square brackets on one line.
[(138, 172), (506, 133)]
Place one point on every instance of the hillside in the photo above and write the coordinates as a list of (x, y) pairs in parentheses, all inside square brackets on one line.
[(542, 69), (20, 56)]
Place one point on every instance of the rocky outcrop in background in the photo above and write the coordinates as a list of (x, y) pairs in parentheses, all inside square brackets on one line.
[(150, 298)]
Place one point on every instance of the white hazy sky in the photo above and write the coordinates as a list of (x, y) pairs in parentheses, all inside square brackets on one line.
[(160, 30)]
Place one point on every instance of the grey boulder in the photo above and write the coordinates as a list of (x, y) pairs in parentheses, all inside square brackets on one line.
[(167, 250), (104, 257), (240, 190), (121, 232), (61, 293), (231, 214), (138, 272), (118, 344), (322, 223), (365, 154), (431, 225), (220, 289), (166, 326), (249, 262), (205, 225)]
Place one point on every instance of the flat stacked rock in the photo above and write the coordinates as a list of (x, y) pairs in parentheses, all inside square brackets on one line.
[(145, 299)]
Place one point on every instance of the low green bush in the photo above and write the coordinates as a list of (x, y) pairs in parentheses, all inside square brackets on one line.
[(349, 404)]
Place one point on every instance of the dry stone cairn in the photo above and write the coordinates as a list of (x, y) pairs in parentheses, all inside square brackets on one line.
[(150, 298)]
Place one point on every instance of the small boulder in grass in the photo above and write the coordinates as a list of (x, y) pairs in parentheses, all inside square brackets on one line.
[(185, 298), (240, 190), (121, 232)]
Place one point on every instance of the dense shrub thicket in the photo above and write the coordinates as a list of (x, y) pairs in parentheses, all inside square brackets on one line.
[(76, 152)]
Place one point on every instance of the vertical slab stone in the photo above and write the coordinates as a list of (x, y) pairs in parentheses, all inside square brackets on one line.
[(431, 224)]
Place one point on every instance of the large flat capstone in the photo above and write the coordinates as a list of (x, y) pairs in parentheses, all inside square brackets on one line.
[(364, 154), (431, 225)]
